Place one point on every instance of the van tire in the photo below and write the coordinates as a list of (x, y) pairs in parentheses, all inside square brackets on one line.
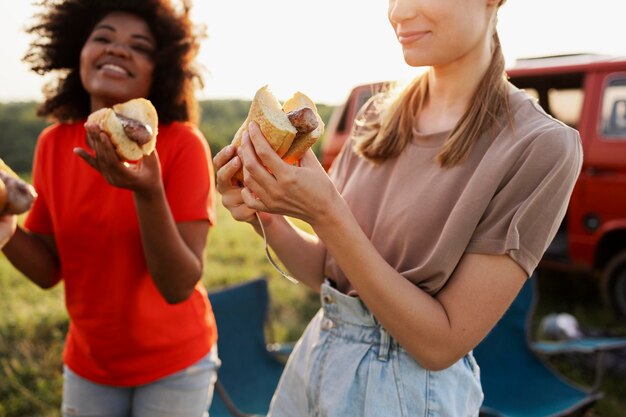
[(614, 284)]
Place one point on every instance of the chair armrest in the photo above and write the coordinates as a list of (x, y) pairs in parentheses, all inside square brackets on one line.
[(280, 351), (582, 345), (587, 345)]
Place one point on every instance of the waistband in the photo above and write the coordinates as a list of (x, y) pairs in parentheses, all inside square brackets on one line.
[(349, 318), (345, 308)]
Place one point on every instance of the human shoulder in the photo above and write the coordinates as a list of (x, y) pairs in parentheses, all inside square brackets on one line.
[(60, 132), (536, 129), (56, 129)]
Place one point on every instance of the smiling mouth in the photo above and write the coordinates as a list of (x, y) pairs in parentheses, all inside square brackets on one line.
[(410, 37), (115, 69)]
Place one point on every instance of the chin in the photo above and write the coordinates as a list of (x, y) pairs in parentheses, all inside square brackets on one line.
[(413, 61), (109, 97)]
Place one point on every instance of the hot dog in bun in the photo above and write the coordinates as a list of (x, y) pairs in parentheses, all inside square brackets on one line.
[(132, 127), (291, 129), (16, 195)]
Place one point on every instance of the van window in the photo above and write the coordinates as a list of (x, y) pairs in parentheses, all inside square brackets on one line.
[(613, 114), (347, 116), (341, 125), (363, 97), (565, 104)]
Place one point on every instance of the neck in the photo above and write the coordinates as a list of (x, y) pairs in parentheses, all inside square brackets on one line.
[(451, 88)]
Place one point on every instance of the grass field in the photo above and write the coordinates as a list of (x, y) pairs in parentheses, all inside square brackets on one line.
[(33, 322)]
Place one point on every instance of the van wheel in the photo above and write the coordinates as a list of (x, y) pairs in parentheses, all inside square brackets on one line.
[(614, 283)]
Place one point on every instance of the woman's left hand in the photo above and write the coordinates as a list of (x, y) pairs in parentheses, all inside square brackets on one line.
[(142, 176), (271, 185)]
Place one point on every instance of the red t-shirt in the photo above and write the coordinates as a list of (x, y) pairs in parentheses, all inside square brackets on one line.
[(122, 331)]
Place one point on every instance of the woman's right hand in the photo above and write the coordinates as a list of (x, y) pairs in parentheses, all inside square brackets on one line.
[(227, 163), (141, 177)]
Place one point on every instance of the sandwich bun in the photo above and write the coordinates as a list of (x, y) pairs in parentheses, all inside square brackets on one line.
[(132, 127), (290, 129)]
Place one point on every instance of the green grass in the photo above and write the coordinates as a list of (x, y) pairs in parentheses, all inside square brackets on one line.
[(33, 322)]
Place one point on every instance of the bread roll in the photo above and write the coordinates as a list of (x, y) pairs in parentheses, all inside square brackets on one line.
[(275, 125), (267, 112), (136, 115)]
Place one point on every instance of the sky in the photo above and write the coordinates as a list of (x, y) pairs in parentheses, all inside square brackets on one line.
[(325, 47)]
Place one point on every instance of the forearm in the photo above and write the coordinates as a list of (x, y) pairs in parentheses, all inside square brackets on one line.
[(34, 257), (174, 266), (302, 253)]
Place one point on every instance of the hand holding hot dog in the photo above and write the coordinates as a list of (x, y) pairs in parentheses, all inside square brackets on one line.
[(132, 127), (283, 134), (273, 186), (122, 134), (290, 129)]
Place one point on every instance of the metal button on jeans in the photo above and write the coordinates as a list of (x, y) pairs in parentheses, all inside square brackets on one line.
[(327, 324)]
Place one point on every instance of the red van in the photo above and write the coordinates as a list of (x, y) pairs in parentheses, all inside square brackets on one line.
[(341, 120), (588, 92)]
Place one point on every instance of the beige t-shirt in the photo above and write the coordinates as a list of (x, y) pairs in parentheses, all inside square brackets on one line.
[(509, 197)]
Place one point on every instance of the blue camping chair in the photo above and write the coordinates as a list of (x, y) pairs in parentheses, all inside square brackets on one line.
[(249, 373), (516, 382)]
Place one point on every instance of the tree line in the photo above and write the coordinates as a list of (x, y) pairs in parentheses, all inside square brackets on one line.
[(20, 127)]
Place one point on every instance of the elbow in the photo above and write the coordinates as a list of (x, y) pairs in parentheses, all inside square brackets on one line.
[(47, 282), (177, 297), (46, 285), (438, 359), (176, 294), (436, 365)]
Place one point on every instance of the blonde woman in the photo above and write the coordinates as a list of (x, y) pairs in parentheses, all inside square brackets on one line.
[(435, 213)]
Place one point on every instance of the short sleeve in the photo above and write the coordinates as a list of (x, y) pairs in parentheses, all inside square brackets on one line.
[(38, 219), (525, 213), (188, 178)]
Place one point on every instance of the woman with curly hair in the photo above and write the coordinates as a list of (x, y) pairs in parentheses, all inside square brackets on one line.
[(127, 240)]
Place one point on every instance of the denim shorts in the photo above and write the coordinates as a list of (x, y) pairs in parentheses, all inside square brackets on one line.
[(346, 364), (187, 393)]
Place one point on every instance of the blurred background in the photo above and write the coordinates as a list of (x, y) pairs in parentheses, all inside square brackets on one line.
[(329, 47), (331, 44)]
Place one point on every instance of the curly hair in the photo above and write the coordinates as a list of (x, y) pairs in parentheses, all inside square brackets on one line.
[(62, 29)]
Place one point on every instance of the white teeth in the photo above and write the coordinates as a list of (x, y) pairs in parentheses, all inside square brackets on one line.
[(115, 68)]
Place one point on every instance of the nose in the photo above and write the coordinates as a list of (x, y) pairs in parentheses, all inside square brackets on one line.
[(117, 49), (402, 10)]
